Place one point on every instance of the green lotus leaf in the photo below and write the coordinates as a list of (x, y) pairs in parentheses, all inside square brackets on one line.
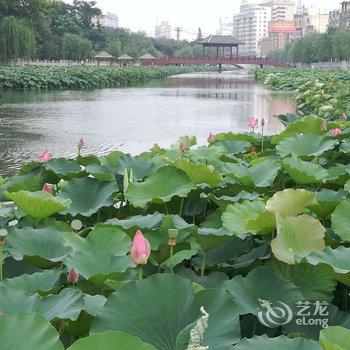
[(234, 147), (347, 186), (213, 280), (229, 136), (102, 238), (139, 309), (262, 283), (66, 305), (88, 195), (110, 341), (278, 343), (140, 167), (297, 237), (199, 173), (337, 258), (341, 220), (38, 205), (326, 202), (290, 202), (111, 161), (238, 215), (338, 174), (208, 155), (29, 284), (301, 145), (188, 141), (100, 172), (345, 146), (28, 332), (306, 125), (150, 221), (262, 252), (159, 187), (94, 264), (335, 338), (64, 168), (42, 247), (303, 172), (210, 238)]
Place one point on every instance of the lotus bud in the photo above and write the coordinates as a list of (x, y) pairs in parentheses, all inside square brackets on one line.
[(73, 276), (140, 249), (324, 126), (262, 122), (336, 132), (47, 188), (172, 233), (81, 144), (182, 147), (45, 157), (211, 138)]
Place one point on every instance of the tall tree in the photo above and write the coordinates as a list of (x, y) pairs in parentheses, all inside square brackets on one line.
[(199, 35), (76, 48)]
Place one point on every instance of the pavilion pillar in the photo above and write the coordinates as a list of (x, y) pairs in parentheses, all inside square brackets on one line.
[(217, 51), (237, 50), (231, 51), (203, 50), (220, 68)]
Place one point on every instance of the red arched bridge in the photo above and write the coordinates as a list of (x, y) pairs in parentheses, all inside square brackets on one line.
[(212, 60)]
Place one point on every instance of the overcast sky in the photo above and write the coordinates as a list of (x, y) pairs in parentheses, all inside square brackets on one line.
[(188, 14)]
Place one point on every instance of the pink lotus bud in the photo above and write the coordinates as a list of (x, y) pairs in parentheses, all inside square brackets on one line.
[(140, 249), (182, 147), (335, 132), (211, 138), (253, 122), (45, 157), (73, 276), (81, 143), (324, 126), (253, 149), (47, 188)]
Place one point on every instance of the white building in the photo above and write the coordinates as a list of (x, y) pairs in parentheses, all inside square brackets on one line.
[(281, 9), (163, 30), (250, 26)]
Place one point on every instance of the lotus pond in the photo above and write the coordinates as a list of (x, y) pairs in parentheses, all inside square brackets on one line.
[(240, 244)]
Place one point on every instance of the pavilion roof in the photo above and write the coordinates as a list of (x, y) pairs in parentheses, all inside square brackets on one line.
[(220, 40), (103, 54), (125, 57), (147, 56)]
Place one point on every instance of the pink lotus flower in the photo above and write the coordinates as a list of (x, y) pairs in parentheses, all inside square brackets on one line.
[(335, 132), (253, 123), (324, 126), (73, 276), (45, 157), (211, 138), (140, 249), (81, 144), (47, 188), (253, 149), (182, 147)]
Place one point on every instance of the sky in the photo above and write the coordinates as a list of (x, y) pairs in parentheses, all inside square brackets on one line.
[(188, 14)]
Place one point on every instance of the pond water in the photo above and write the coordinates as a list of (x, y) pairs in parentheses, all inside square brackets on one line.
[(132, 119)]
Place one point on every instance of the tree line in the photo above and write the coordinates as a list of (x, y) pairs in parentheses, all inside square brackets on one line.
[(316, 47), (53, 29)]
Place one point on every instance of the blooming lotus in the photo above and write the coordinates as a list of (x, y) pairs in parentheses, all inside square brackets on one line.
[(336, 132), (182, 147), (45, 157), (81, 144), (47, 188), (73, 276), (253, 123), (211, 138), (140, 249)]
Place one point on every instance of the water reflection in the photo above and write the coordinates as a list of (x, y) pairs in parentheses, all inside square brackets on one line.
[(137, 117)]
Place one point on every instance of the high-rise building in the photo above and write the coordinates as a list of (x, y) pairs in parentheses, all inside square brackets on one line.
[(250, 26), (280, 9), (163, 30), (340, 17)]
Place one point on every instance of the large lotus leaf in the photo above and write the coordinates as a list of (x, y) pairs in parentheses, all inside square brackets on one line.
[(199, 173), (297, 237), (64, 168), (210, 238), (29, 284), (339, 174), (208, 155), (28, 332), (150, 221), (213, 280), (229, 136), (337, 258), (303, 172), (307, 125), (102, 238), (262, 252), (347, 186), (300, 145), (335, 338), (345, 146), (66, 305), (42, 247), (38, 205), (278, 343), (341, 220), (158, 308), (140, 167), (91, 264), (88, 195), (234, 147), (237, 215), (100, 172), (262, 283), (188, 141), (110, 341), (111, 161), (159, 187), (290, 202), (326, 202)]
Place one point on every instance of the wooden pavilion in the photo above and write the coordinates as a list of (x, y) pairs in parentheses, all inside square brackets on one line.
[(223, 43), (146, 58), (104, 56), (125, 60)]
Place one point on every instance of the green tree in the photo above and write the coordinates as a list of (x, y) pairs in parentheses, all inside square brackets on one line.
[(17, 40), (199, 35), (76, 48)]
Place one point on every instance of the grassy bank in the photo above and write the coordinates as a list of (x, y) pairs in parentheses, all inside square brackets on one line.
[(84, 77)]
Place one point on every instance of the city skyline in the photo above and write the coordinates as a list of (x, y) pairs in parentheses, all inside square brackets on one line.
[(198, 14)]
